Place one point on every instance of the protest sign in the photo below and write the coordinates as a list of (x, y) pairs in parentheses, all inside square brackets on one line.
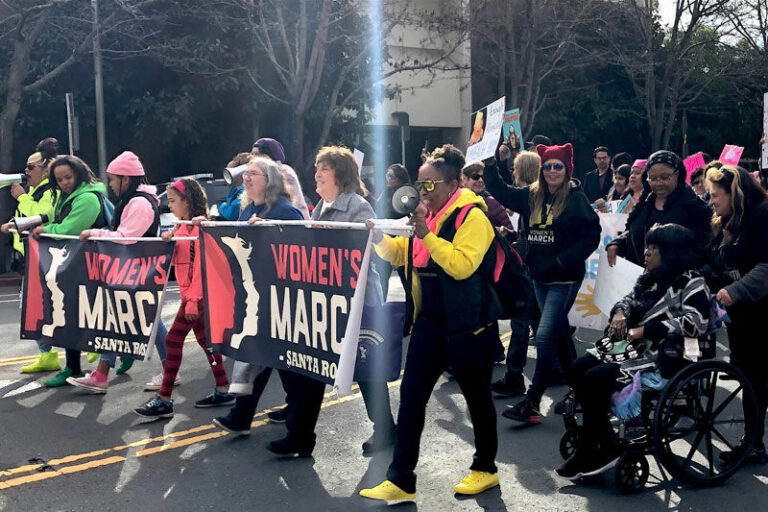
[(764, 159), (731, 154), (96, 296), (282, 295), (692, 163), (486, 131), (613, 283), (511, 129), (359, 158), (585, 312)]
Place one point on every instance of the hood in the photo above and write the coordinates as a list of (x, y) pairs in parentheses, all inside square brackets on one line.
[(465, 197), (149, 189), (87, 187)]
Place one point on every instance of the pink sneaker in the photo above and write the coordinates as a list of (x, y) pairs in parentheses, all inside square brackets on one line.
[(157, 382), (90, 383)]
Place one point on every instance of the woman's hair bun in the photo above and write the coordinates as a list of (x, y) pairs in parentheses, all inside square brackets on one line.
[(48, 147)]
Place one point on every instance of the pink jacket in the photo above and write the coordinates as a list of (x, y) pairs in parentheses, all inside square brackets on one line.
[(136, 218), (189, 274)]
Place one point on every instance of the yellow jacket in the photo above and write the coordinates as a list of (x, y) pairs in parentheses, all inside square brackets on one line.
[(460, 258), (28, 207)]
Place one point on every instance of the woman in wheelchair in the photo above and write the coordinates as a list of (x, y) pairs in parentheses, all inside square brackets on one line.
[(669, 302)]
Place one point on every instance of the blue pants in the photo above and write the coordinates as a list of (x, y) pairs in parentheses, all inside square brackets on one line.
[(162, 331), (555, 300)]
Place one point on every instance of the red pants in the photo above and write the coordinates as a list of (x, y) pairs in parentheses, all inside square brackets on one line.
[(174, 343)]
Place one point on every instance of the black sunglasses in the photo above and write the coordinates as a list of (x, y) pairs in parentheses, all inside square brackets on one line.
[(476, 177)]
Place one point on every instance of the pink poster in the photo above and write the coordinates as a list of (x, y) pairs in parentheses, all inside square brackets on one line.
[(691, 163), (731, 154)]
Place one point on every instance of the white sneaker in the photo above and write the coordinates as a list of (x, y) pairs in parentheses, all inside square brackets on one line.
[(157, 382)]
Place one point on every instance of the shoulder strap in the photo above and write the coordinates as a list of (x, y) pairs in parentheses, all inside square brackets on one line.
[(40, 191), (463, 212)]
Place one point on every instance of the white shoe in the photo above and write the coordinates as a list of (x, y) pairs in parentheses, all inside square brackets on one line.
[(157, 382)]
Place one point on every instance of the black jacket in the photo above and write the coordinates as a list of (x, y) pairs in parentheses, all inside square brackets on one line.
[(681, 207), (555, 252), (592, 185)]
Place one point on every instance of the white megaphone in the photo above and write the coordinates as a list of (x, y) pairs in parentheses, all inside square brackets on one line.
[(26, 223), (7, 179), (405, 199), (231, 173)]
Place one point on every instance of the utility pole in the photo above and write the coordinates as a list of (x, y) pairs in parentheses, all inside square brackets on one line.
[(101, 143)]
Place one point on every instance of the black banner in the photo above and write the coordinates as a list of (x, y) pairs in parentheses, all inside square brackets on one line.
[(280, 296), (94, 296)]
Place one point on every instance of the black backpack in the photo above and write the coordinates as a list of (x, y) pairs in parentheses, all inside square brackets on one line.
[(503, 267)]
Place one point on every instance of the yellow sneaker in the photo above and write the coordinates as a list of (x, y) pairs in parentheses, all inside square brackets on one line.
[(389, 492), (47, 362), (477, 482)]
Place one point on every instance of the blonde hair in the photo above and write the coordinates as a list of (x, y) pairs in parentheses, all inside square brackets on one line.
[(527, 167), (744, 194)]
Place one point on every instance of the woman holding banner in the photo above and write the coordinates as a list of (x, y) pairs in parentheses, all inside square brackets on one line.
[(264, 198), (739, 257), (38, 200), (137, 214), (562, 231), (666, 199), (80, 204), (340, 189), (455, 312)]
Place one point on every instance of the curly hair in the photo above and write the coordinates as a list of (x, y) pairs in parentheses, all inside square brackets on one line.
[(83, 173), (744, 194), (344, 166), (194, 196), (448, 160)]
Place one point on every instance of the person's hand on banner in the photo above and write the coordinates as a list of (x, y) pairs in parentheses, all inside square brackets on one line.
[(419, 221), (37, 231), (6, 228), (610, 253), (378, 236), (254, 219), (16, 190), (168, 235), (85, 235), (724, 298)]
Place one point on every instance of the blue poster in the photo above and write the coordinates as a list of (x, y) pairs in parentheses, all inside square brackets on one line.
[(512, 130)]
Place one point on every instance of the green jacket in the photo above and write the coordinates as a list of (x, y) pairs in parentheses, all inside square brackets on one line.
[(28, 207), (85, 210)]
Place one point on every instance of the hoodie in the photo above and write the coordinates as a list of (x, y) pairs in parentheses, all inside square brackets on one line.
[(85, 209), (137, 216)]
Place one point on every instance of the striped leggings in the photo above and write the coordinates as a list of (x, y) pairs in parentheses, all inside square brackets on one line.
[(174, 344)]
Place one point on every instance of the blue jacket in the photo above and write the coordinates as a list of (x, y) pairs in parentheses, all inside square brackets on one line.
[(282, 210), (230, 208)]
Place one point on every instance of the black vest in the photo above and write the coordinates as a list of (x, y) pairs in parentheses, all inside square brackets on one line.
[(154, 228), (101, 219)]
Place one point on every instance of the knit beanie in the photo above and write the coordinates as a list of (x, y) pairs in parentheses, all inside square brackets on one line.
[(271, 148), (563, 153), (126, 164)]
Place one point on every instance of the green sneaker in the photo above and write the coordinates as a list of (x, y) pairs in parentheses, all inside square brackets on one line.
[(91, 356), (61, 378), (125, 365), (47, 362)]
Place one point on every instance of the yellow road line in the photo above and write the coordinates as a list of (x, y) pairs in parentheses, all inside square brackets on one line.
[(45, 475)]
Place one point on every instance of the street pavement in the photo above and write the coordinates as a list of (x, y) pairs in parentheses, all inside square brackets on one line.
[(63, 449)]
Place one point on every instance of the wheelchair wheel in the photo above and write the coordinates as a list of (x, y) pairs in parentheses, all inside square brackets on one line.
[(700, 416), (632, 472), (570, 441)]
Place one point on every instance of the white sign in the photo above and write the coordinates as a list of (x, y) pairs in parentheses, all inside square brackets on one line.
[(585, 312), (613, 283), (359, 156), (486, 131)]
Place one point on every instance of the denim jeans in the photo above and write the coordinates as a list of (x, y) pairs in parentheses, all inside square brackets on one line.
[(555, 300), (162, 331)]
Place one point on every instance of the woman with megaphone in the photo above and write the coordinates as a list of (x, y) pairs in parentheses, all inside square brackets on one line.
[(37, 201), (455, 308)]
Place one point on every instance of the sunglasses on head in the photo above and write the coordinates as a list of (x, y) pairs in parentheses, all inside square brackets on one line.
[(549, 167), (476, 177), (428, 184)]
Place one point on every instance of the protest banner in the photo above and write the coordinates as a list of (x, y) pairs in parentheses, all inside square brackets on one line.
[(764, 147), (281, 295), (512, 131), (486, 131), (585, 312), (692, 163), (96, 296), (731, 154), (613, 283)]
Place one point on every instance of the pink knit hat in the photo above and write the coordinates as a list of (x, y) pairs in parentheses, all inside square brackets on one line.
[(563, 153), (126, 164)]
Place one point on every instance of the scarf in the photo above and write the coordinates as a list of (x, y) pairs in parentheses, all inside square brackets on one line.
[(420, 251)]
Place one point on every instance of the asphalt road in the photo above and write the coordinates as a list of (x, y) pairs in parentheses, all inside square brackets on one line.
[(62, 449)]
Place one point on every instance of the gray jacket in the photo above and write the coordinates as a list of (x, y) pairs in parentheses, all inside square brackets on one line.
[(348, 207)]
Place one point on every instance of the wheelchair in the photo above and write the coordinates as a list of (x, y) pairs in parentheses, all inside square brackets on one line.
[(703, 410)]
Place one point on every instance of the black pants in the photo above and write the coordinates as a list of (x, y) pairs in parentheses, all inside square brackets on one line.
[(245, 406), (73, 360), (593, 383), (426, 360), (749, 352)]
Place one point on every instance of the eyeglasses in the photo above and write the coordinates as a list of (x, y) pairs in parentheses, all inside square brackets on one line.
[(549, 167), (428, 184), (253, 174), (476, 177), (662, 178), (390, 176)]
